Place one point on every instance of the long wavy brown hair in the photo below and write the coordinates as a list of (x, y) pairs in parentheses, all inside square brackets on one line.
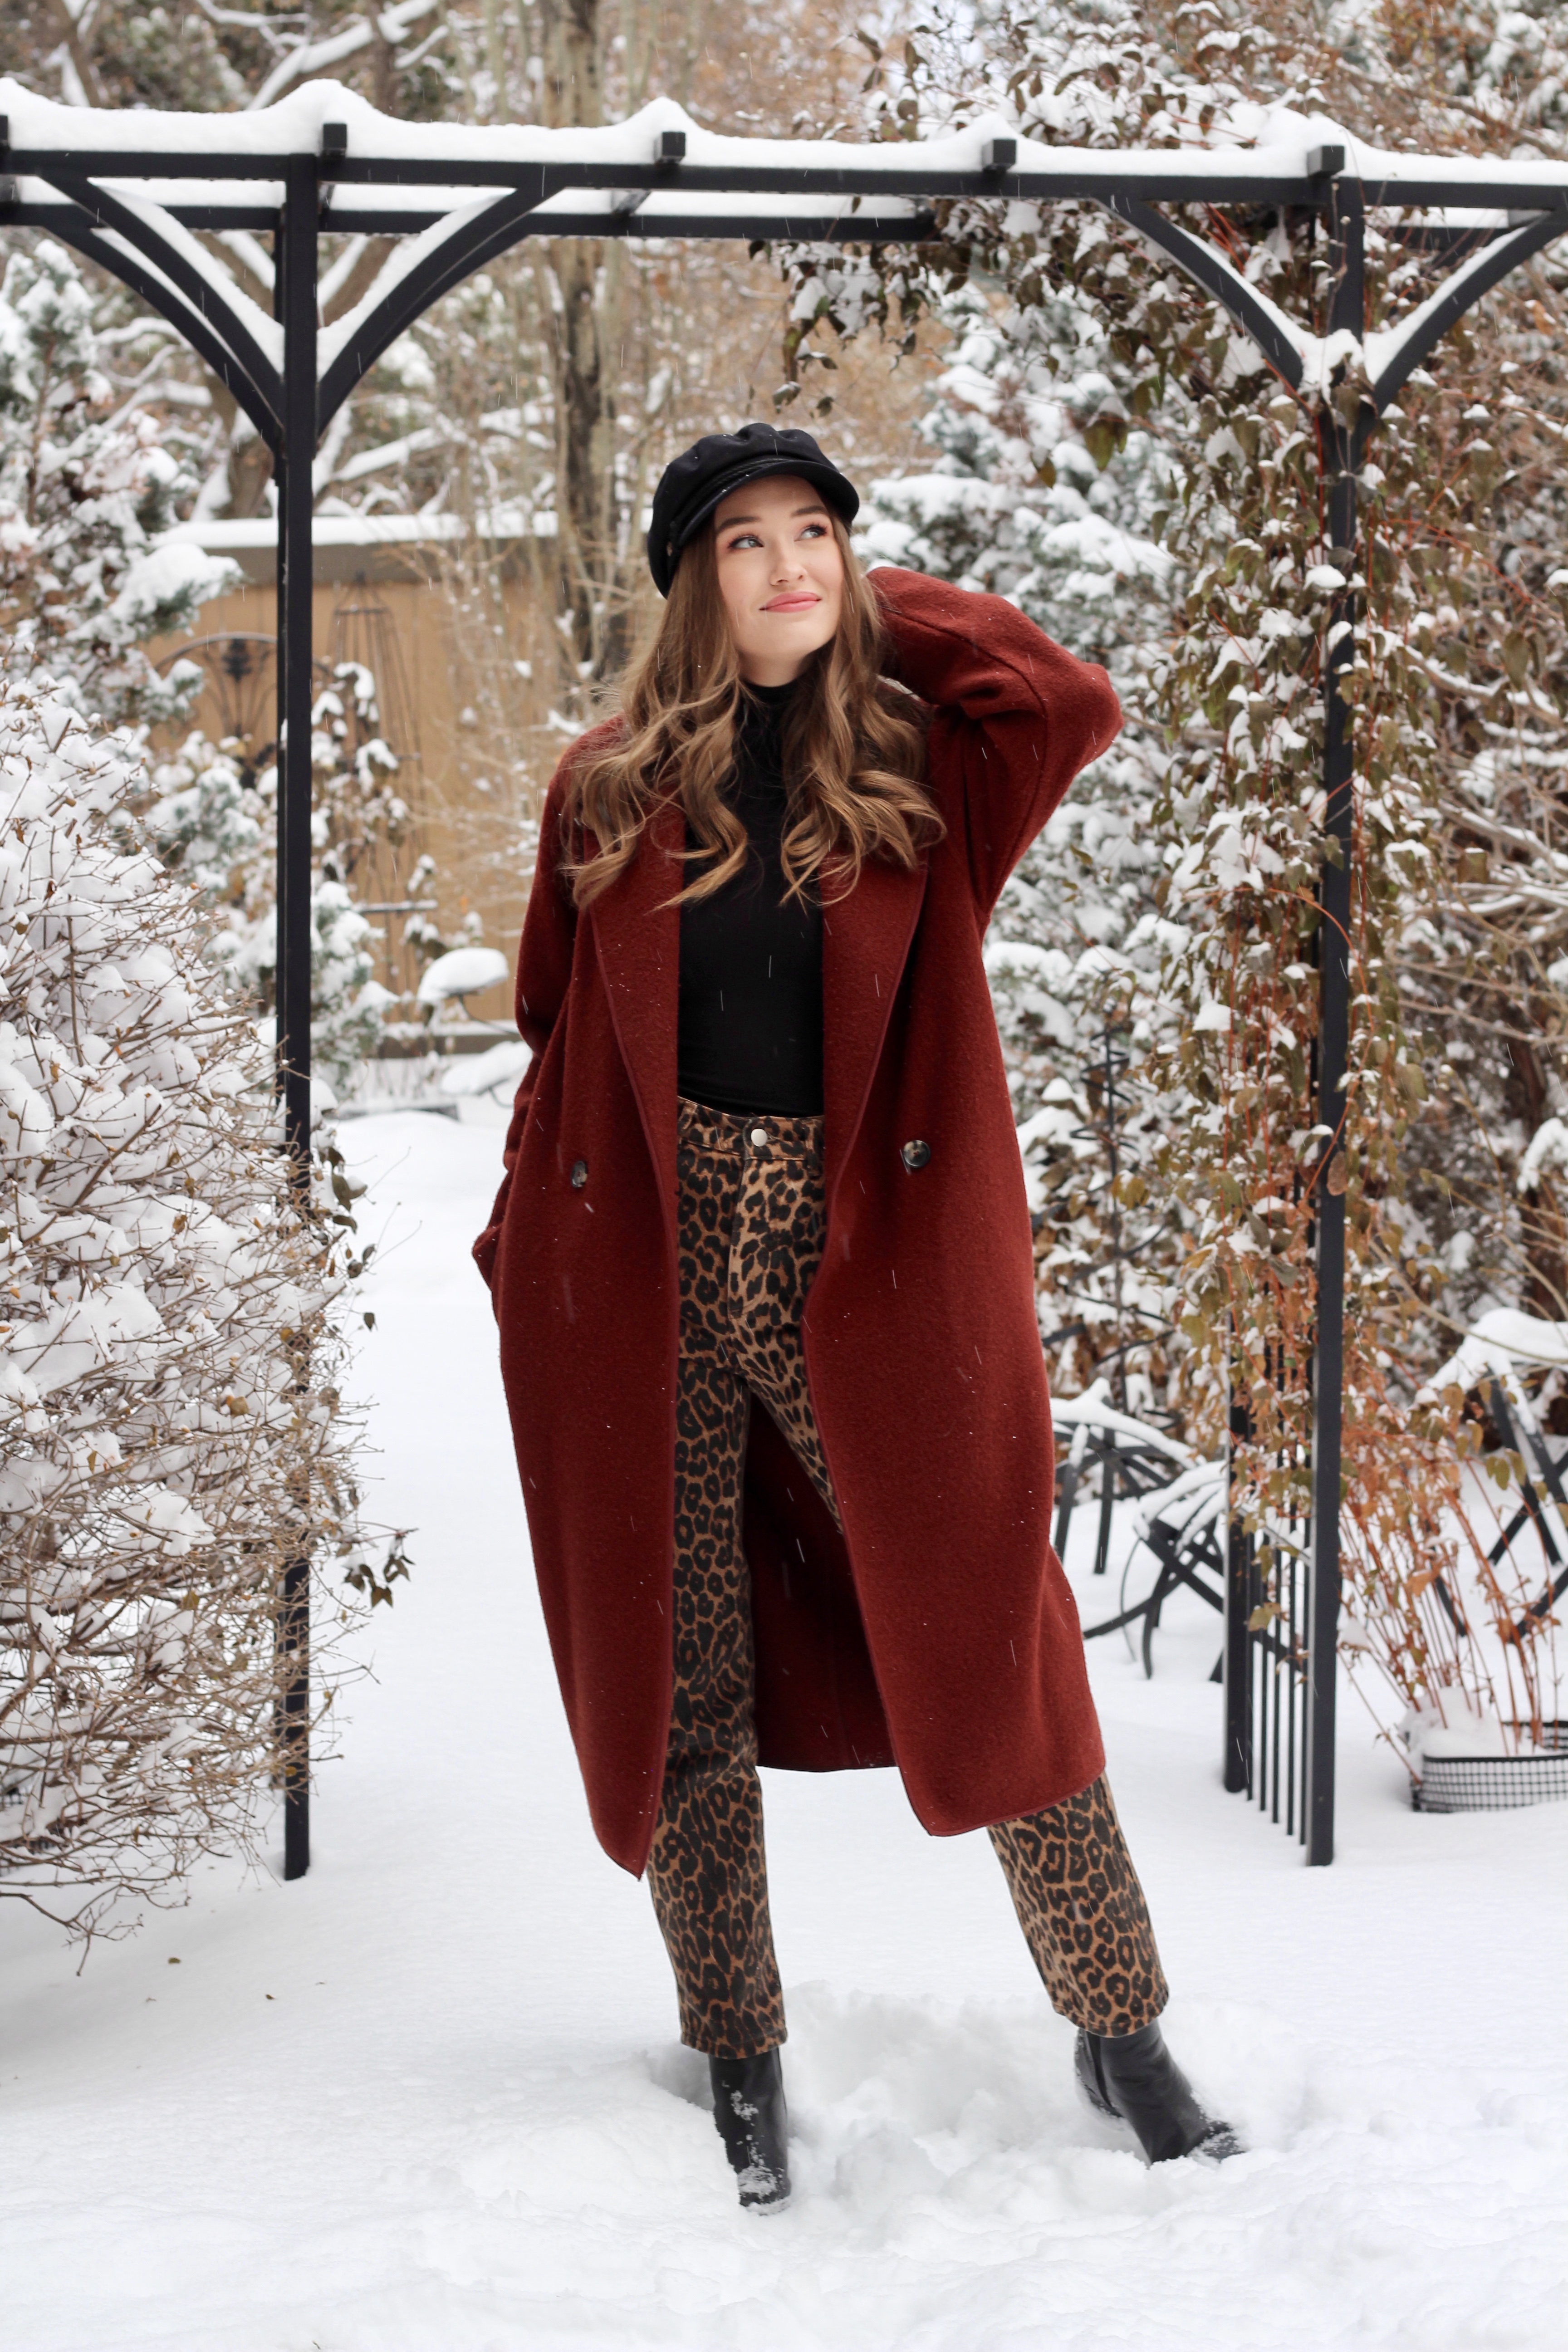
[(853, 750)]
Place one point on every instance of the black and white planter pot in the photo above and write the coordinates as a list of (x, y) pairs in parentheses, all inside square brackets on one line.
[(1495, 1784)]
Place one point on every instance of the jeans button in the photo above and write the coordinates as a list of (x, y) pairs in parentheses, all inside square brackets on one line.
[(759, 1139)]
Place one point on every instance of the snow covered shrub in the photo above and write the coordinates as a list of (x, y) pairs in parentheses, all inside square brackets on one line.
[(173, 1434), (84, 493)]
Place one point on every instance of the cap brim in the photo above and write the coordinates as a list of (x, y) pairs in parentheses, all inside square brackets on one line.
[(838, 493)]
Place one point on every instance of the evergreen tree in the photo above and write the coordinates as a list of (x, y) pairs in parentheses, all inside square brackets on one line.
[(85, 494), (1043, 488), (216, 824)]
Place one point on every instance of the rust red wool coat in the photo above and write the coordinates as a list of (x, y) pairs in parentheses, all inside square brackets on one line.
[(938, 1633)]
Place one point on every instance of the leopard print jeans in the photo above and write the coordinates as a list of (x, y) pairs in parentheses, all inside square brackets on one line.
[(751, 1238)]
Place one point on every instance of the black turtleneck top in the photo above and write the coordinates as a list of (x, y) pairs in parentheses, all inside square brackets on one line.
[(750, 960)]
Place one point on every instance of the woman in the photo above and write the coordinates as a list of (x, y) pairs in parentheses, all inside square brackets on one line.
[(765, 1156)]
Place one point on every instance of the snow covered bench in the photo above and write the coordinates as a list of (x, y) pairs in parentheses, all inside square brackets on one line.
[(1491, 1356), (1179, 1523)]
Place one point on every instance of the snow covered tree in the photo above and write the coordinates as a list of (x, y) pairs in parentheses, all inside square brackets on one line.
[(168, 1368), (1043, 488), (218, 828), (85, 492)]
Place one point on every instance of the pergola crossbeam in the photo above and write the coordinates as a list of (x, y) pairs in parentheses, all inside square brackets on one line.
[(660, 214), (1154, 176)]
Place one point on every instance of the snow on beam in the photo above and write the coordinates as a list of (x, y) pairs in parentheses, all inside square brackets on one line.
[(107, 249), (1276, 168)]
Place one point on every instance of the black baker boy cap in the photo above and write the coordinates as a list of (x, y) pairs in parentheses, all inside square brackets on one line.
[(693, 484)]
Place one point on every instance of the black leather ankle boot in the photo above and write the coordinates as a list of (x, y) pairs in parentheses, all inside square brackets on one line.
[(754, 2123), (1133, 2078)]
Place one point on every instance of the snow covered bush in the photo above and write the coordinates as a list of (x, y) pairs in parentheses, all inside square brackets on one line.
[(84, 493), (173, 1434)]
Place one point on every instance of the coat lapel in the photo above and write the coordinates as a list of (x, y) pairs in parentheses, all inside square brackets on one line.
[(637, 934), (865, 944)]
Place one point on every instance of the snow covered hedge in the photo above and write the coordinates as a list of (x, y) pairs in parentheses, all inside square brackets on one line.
[(171, 1436)]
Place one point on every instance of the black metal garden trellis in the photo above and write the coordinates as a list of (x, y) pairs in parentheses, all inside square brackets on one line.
[(130, 189)]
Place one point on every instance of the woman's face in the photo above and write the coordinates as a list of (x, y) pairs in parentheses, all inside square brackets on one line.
[(780, 575)]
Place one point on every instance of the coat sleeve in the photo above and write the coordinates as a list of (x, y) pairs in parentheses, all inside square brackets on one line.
[(1016, 716), (543, 976)]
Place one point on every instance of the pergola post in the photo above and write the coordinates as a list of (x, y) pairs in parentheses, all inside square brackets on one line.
[(1340, 445), (1235, 1656), (295, 301)]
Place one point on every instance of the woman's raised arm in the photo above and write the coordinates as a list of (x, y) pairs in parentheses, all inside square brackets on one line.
[(1016, 716)]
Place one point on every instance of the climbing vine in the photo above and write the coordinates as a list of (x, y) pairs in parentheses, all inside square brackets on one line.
[(1451, 1120)]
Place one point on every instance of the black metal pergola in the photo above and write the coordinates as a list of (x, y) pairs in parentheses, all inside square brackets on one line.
[(134, 191)]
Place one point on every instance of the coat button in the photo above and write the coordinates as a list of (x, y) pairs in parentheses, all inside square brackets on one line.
[(579, 1174), (915, 1154)]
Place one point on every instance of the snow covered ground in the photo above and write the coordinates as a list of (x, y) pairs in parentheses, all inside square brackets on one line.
[(432, 2097)]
